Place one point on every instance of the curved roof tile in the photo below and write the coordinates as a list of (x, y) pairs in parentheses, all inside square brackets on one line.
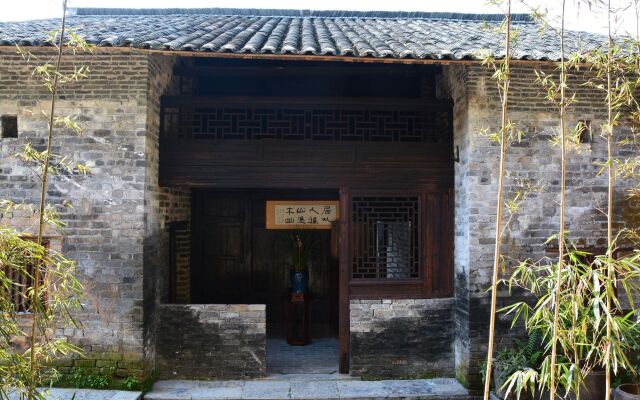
[(417, 35)]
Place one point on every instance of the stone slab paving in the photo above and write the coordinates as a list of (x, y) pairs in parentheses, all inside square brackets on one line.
[(321, 356), (297, 387), (86, 394)]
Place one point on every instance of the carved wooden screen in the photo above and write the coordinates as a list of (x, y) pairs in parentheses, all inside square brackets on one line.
[(400, 244), (343, 121), (385, 237)]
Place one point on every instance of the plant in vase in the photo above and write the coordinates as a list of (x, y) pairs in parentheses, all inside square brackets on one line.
[(628, 383), (302, 250)]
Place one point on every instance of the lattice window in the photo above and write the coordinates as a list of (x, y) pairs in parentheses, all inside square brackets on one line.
[(23, 283), (413, 124), (385, 237)]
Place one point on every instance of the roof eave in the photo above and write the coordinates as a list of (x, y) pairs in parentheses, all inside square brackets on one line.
[(287, 57)]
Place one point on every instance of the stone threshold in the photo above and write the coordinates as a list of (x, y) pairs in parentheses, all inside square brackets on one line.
[(323, 387), (85, 394)]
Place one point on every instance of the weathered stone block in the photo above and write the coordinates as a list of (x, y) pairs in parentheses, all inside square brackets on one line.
[(396, 338), (211, 341)]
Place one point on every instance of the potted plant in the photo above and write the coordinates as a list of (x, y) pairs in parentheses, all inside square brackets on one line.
[(628, 385), (302, 250), (585, 347), (627, 391)]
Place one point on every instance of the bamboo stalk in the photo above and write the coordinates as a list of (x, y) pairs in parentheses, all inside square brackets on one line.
[(611, 178), (499, 205), (43, 193), (561, 235)]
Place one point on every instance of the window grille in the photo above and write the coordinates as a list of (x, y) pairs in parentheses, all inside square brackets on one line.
[(23, 283), (385, 237)]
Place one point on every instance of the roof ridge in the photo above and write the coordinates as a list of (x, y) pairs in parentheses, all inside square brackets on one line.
[(300, 13)]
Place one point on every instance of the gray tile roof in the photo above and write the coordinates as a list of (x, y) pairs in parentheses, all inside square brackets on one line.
[(416, 35)]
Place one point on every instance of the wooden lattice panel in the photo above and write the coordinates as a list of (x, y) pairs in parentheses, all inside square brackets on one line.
[(385, 237), (386, 124)]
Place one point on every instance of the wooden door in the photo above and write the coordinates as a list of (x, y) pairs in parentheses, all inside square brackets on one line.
[(223, 252)]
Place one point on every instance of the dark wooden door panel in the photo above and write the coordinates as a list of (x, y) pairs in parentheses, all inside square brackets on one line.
[(223, 260)]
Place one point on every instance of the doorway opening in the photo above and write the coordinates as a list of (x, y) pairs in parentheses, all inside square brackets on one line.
[(237, 260)]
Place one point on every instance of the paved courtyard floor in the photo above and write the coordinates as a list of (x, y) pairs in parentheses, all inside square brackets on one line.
[(319, 357), (306, 386)]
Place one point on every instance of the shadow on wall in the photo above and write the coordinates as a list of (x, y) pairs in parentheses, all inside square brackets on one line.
[(403, 338), (207, 341)]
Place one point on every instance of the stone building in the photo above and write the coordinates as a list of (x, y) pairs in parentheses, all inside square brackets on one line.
[(195, 119)]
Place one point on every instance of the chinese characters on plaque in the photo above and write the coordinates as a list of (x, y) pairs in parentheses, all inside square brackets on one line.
[(297, 214)]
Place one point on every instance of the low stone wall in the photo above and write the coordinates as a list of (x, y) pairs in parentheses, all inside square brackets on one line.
[(210, 341), (402, 338)]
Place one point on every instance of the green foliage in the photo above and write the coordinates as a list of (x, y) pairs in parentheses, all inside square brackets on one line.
[(93, 381), (17, 254), (631, 375), (130, 383), (584, 314), (94, 378), (302, 246), (79, 378)]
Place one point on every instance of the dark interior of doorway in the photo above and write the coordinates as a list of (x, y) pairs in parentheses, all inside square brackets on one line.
[(236, 260)]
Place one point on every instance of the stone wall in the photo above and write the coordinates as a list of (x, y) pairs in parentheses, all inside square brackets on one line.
[(107, 229), (211, 341), (402, 338), (533, 160), (156, 257)]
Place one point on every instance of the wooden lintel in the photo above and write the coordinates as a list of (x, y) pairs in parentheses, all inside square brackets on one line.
[(290, 69)]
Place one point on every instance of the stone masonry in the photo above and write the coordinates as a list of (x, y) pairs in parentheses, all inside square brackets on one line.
[(196, 341), (115, 213), (533, 160), (402, 338)]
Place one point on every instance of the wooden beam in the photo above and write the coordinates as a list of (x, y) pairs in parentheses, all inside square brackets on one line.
[(293, 69)]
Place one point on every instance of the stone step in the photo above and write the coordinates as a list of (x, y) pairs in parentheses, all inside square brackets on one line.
[(315, 388)]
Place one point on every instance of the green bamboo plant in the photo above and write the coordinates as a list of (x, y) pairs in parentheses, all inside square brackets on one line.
[(579, 299), (563, 104), (53, 291), (616, 73), (501, 74), (549, 309)]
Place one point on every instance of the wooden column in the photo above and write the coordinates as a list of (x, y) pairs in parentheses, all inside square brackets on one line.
[(344, 259)]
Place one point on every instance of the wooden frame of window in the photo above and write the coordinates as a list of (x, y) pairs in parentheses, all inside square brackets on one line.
[(436, 251), (18, 293)]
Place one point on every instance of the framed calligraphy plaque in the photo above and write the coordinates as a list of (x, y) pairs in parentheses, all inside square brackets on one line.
[(301, 214)]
